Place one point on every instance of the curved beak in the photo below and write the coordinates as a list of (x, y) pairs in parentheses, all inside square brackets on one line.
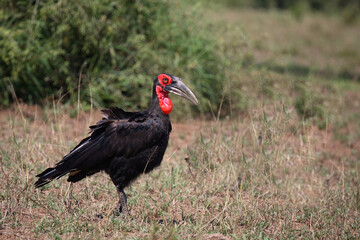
[(179, 88)]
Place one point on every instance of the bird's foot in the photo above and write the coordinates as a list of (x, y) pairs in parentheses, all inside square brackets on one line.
[(122, 205), (122, 209)]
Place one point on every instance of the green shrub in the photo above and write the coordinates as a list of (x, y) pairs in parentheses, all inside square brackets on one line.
[(308, 104), (111, 49)]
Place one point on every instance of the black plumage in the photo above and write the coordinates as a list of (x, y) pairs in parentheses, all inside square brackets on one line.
[(123, 144)]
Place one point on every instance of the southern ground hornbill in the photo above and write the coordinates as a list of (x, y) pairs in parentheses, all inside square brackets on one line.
[(124, 144)]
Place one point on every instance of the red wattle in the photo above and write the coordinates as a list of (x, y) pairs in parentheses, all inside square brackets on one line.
[(164, 100), (166, 105)]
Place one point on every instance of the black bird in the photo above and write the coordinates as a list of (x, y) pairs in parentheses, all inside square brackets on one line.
[(124, 144)]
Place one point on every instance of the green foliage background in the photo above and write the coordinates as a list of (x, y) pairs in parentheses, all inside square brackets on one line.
[(111, 49), (107, 52)]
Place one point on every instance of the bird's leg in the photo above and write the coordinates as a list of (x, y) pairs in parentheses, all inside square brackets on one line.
[(122, 205)]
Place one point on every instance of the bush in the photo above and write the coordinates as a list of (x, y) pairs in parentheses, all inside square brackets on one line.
[(308, 104), (111, 49)]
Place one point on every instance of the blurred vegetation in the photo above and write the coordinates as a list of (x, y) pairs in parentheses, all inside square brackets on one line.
[(349, 9), (104, 52), (317, 5)]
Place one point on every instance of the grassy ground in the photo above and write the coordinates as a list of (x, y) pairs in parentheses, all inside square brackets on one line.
[(282, 163)]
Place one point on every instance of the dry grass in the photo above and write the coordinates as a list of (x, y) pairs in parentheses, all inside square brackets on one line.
[(262, 173), (297, 182)]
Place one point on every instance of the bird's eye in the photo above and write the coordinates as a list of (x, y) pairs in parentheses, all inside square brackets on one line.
[(164, 79)]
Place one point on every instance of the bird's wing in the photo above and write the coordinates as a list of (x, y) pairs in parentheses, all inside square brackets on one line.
[(116, 113), (115, 138), (109, 138)]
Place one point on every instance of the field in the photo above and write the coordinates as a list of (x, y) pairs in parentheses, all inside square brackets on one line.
[(279, 159)]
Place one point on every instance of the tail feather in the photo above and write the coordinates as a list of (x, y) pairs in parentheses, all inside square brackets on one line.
[(82, 158), (78, 175), (45, 172), (47, 176), (86, 158)]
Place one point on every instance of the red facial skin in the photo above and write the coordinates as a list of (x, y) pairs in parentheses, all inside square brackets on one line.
[(163, 96)]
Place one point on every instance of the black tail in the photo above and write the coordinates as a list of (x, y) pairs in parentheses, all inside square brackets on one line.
[(47, 176), (84, 160)]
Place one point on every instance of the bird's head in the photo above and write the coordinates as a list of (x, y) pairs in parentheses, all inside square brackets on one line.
[(165, 84)]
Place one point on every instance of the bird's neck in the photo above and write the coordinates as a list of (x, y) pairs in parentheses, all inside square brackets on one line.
[(155, 109)]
